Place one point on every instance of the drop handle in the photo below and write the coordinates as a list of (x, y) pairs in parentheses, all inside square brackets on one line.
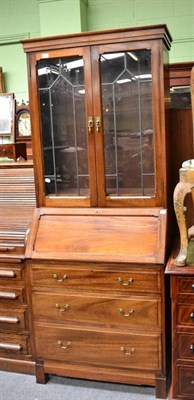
[(127, 353), (130, 312), (129, 281), (65, 308), (55, 276), (192, 315), (98, 123), (60, 343)]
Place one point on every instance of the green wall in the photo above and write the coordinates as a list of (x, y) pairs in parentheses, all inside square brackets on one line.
[(20, 19)]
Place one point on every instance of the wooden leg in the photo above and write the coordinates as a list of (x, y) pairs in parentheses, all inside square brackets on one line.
[(180, 192), (41, 377), (161, 387)]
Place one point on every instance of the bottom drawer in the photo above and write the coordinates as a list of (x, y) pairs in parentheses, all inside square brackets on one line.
[(13, 346), (108, 348), (185, 382)]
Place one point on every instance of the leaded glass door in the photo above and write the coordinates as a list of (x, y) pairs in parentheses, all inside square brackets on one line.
[(64, 101), (128, 134)]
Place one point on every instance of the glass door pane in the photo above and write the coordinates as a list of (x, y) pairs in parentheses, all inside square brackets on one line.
[(126, 86), (63, 126)]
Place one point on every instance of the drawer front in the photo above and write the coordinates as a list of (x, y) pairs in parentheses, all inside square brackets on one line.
[(145, 281), (185, 285), (11, 273), (13, 346), (185, 382), (6, 150), (14, 319), (132, 312), (185, 315), (186, 346), (95, 347), (13, 295)]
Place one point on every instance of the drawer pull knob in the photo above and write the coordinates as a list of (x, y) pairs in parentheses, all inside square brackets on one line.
[(192, 315), (55, 276), (7, 274), (129, 282), (191, 347), (65, 308), (192, 382), (126, 314), (8, 295), (64, 347), (192, 286), (10, 346), (127, 353), (9, 320)]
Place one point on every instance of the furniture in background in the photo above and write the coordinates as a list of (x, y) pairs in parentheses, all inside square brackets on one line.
[(182, 306), (17, 200), (96, 250), (9, 148)]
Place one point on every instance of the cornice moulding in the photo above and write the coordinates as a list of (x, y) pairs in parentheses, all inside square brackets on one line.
[(13, 38)]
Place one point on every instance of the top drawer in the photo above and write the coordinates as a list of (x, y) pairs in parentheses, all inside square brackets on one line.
[(92, 277), (11, 273), (185, 285)]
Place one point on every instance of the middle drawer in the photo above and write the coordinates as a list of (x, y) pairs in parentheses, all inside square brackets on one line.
[(102, 310)]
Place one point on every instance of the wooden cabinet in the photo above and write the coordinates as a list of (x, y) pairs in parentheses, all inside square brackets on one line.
[(182, 304), (97, 244)]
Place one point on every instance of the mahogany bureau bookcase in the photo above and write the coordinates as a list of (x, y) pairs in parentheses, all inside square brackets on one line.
[(96, 249)]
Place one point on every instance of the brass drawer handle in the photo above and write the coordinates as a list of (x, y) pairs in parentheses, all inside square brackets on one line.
[(10, 346), (131, 311), (63, 347), (192, 315), (8, 295), (9, 320), (129, 282), (7, 274), (127, 353), (65, 308), (55, 276)]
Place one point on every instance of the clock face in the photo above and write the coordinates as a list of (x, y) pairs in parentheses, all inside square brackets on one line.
[(24, 125)]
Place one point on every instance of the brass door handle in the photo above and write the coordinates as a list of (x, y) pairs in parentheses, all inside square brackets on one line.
[(90, 124), (63, 347), (127, 353), (98, 123), (131, 311), (129, 281), (65, 308), (55, 276)]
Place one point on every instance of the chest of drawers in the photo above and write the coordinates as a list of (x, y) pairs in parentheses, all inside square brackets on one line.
[(15, 349), (101, 317), (182, 305)]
